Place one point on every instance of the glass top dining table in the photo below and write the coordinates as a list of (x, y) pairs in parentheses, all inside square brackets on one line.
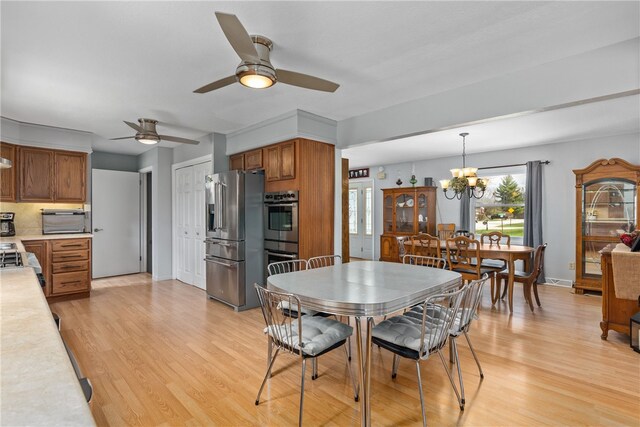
[(364, 289)]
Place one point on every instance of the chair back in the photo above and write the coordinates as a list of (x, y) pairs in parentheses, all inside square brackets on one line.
[(425, 261), (323, 261), (538, 262), (465, 233), (445, 231), (469, 305), (463, 252), (285, 331), (495, 238), (425, 245), (438, 314), (281, 267)]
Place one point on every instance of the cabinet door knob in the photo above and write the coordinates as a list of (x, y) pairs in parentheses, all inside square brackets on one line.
[(97, 229)]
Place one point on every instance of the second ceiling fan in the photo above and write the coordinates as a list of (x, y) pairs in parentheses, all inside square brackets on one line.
[(255, 70)]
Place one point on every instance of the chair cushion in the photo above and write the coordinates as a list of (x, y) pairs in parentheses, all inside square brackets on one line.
[(493, 263), (473, 271), (456, 328), (405, 331), (516, 274), (284, 306), (318, 334)]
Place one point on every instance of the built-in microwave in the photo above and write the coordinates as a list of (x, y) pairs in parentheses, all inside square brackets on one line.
[(281, 216)]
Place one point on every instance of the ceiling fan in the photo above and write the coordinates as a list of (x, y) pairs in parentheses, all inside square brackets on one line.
[(146, 133), (255, 70)]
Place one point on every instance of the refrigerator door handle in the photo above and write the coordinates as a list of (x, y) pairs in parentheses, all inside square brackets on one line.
[(282, 255)]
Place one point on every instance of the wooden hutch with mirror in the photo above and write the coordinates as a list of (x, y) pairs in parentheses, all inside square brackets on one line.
[(607, 205), (406, 211)]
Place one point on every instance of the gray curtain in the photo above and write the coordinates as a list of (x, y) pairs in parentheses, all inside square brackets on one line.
[(533, 209), (465, 214)]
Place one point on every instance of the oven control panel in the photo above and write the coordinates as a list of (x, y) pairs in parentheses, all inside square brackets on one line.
[(281, 196)]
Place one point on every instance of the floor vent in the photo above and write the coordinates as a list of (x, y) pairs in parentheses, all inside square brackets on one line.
[(559, 282)]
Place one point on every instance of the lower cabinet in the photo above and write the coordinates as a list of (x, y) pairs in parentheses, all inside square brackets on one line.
[(66, 265)]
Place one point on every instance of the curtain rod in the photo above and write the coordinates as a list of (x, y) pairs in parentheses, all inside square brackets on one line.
[(543, 162)]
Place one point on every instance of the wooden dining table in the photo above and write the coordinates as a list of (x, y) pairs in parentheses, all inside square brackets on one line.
[(363, 289), (508, 253)]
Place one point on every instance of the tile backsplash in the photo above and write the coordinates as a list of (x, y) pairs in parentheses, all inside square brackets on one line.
[(28, 220)]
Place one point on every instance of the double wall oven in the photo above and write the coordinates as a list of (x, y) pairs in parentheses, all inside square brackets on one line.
[(280, 227)]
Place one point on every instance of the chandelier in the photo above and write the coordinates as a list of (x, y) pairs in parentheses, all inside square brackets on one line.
[(465, 180)]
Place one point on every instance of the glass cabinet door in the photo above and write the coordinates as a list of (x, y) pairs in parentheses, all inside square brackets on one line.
[(608, 208), (422, 213), (404, 212), (387, 216)]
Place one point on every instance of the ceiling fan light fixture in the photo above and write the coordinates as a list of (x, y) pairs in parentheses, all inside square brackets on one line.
[(148, 139), (256, 76)]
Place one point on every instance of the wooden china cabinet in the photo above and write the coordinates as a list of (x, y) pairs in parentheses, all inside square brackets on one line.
[(607, 205), (406, 211)]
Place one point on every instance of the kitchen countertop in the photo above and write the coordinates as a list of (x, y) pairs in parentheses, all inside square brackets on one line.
[(39, 385), (18, 239)]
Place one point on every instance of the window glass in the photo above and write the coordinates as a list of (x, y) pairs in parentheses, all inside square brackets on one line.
[(368, 226), (353, 211), (502, 207)]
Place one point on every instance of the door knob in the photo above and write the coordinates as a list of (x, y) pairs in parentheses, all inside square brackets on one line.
[(97, 229)]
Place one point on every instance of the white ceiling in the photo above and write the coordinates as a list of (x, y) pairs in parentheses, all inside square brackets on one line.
[(90, 65), (593, 120)]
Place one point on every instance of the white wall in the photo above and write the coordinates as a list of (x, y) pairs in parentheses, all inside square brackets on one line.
[(558, 182)]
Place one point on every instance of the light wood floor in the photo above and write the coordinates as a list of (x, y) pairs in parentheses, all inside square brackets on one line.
[(160, 353)]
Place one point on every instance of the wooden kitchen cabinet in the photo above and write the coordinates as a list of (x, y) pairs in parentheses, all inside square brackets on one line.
[(40, 248), (253, 159), (51, 175), (70, 267), (236, 162), (405, 212), (8, 176), (35, 170), (280, 161), (70, 176)]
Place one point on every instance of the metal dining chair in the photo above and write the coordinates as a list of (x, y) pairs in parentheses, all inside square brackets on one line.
[(307, 337), (466, 314), (323, 261), (417, 339)]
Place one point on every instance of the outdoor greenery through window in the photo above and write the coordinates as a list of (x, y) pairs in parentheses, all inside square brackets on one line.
[(502, 207)]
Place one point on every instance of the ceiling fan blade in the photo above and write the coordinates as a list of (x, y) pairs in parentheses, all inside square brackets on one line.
[(178, 139), (124, 137), (306, 81), (238, 37), (134, 126), (216, 85)]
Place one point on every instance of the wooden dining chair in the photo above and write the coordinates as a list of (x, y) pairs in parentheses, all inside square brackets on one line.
[(307, 337), (425, 261), (445, 230), (463, 256), (495, 238), (426, 245), (528, 280), (465, 233)]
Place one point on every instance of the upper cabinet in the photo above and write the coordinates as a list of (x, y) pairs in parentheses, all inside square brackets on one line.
[(35, 171), (46, 175), (253, 159), (281, 161), (8, 176), (70, 174), (236, 162), (607, 204)]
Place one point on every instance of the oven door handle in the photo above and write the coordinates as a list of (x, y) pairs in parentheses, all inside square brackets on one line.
[(282, 255), (281, 205), (219, 262)]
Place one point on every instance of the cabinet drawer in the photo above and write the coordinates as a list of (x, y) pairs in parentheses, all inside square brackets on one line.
[(69, 244), (69, 256), (65, 267), (63, 283)]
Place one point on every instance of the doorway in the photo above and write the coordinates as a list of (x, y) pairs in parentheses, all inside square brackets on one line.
[(115, 202), (361, 219), (146, 259), (189, 222)]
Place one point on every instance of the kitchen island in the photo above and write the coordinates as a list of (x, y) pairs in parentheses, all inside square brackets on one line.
[(38, 383)]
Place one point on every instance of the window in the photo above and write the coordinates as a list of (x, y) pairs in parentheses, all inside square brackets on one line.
[(368, 226), (502, 207), (353, 211)]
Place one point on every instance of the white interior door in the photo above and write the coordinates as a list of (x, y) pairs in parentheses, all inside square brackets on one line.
[(190, 225), (361, 220), (115, 200)]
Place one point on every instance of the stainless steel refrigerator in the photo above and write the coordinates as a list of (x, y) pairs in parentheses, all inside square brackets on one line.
[(234, 256)]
